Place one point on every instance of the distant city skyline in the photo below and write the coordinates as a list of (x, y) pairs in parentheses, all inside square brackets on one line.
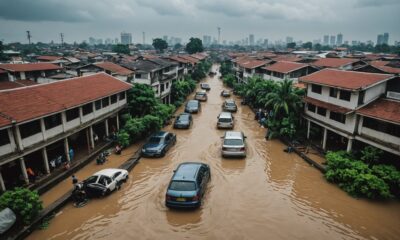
[(274, 20)]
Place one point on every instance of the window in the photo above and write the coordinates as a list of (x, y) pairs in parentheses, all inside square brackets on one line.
[(114, 98), (333, 92), (122, 96), (52, 121), (30, 128), (167, 85), (97, 104), (311, 107), (338, 117), (162, 87), (345, 95), (316, 88), (72, 114), (105, 102), (381, 126), (321, 111), (138, 75), (4, 139), (87, 108), (361, 96)]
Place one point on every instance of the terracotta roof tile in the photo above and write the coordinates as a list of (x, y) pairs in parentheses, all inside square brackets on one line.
[(27, 103), (345, 79), (252, 63), (285, 67), (333, 62), (329, 106), (114, 68), (382, 65), (384, 109), (27, 67), (287, 58), (48, 58)]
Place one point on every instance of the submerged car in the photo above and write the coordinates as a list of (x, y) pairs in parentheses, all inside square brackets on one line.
[(229, 105), (205, 86), (225, 93), (193, 106), (158, 144), (104, 182), (184, 120), (234, 144), (201, 96), (188, 184), (225, 120)]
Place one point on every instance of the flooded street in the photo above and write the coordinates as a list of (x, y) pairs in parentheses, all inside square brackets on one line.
[(268, 195)]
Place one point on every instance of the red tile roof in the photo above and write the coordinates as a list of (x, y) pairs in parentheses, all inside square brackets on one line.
[(252, 63), (114, 68), (48, 58), (345, 79), (199, 56), (28, 103), (381, 65), (334, 62), (2, 71), (329, 106), (287, 58), (384, 109), (190, 59), (178, 59), (17, 84), (285, 67), (28, 67)]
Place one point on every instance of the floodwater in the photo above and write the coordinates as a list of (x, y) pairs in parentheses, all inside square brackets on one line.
[(268, 195)]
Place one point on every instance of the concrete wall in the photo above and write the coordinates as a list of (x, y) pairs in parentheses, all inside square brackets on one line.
[(348, 126), (374, 92)]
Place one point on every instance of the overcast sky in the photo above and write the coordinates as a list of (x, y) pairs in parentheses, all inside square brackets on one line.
[(273, 19)]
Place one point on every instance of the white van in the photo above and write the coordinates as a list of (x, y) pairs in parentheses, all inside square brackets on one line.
[(225, 120)]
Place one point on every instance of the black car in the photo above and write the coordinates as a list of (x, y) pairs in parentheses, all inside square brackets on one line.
[(205, 86), (193, 106), (188, 185), (158, 144), (184, 120)]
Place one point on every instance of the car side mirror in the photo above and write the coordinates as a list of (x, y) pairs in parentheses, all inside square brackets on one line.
[(245, 136)]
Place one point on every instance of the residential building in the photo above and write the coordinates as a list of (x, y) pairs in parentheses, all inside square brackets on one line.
[(250, 67), (379, 66), (37, 72), (126, 38), (338, 63), (110, 68), (41, 125), (335, 101), (287, 70)]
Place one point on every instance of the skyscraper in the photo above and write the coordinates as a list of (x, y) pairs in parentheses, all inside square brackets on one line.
[(379, 39), (326, 39), (251, 39), (333, 42), (339, 39), (386, 38), (289, 39), (126, 38)]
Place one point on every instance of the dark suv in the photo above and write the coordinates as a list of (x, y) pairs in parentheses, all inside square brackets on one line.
[(188, 184)]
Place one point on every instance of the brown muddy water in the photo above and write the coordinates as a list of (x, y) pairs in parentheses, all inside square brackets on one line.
[(268, 195)]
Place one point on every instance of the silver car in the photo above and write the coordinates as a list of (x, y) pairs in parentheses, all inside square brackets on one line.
[(225, 120), (234, 144), (229, 105)]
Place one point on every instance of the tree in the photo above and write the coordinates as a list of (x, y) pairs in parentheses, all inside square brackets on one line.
[(141, 100), (24, 203), (177, 46), (307, 45), (160, 44), (2, 56), (291, 45), (194, 45), (371, 155), (83, 45), (121, 48), (317, 47)]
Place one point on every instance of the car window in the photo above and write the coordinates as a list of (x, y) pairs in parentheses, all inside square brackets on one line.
[(168, 137), (155, 140), (225, 120), (233, 142), (184, 117), (192, 104), (182, 186), (116, 175), (91, 179)]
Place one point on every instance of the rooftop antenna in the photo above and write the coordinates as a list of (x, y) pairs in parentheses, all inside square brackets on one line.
[(62, 39), (219, 34), (144, 38), (29, 36)]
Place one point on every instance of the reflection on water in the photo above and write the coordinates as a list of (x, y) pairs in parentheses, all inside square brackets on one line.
[(268, 195)]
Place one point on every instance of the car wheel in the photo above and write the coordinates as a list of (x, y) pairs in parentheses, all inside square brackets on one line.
[(163, 153)]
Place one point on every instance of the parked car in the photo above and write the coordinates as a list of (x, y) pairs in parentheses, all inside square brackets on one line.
[(225, 93), (205, 86), (193, 106), (184, 120), (225, 120), (234, 144), (105, 181), (201, 95), (229, 105), (158, 144), (188, 185)]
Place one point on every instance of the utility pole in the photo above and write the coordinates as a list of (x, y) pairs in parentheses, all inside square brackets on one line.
[(28, 35), (144, 38), (219, 35), (62, 39)]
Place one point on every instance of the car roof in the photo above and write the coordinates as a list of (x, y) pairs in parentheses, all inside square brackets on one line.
[(230, 101), (188, 114), (225, 115), (233, 135), (204, 84), (193, 101), (201, 91), (159, 134), (187, 171), (108, 172)]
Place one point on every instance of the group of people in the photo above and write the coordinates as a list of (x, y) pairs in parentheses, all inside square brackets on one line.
[(262, 117)]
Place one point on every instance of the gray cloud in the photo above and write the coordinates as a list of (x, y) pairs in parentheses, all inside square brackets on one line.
[(375, 3)]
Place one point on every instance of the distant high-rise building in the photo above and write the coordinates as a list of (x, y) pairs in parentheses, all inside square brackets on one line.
[(206, 40), (165, 38), (326, 39), (333, 42), (379, 39), (339, 39), (251, 39), (369, 42), (354, 43), (265, 42), (386, 38), (116, 41), (92, 41), (289, 40), (126, 38)]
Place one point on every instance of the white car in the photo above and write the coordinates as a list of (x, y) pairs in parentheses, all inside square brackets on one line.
[(105, 181), (234, 144)]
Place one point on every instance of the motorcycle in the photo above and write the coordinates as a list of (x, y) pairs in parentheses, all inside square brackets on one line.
[(79, 195), (102, 158)]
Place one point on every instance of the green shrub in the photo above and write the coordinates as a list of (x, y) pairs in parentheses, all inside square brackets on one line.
[(123, 138), (371, 155), (151, 124), (25, 203), (390, 175)]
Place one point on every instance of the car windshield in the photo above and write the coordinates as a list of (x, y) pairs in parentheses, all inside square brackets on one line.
[(205, 85), (155, 140), (233, 142), (200, 94), (225, 120), (91, 179), (182, 186), (183, 118), (231, 104), (192, 104)]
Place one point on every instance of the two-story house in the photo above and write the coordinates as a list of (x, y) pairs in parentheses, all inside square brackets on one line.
[(110, 68), (287, 70), (251, 68), (37, 72), (338, 63), (46, 125), (333, 97)]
